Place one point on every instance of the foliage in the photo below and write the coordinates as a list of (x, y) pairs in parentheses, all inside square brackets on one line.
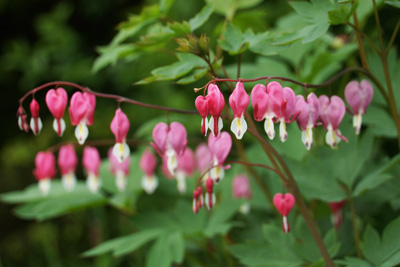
[(187, 45)]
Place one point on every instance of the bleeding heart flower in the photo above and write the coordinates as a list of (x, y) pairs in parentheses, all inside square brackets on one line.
[(337, 216), (359, 96), (170, 141), (198, 201), (201, 104), (287, 112), (22, 123), (210, 196), (219, 147), (203, 157), (56, 101), (45, 170), (241, 189), (67, 161), (239, 101), (267, 102), (307, 119), (186, 165), (148, 163), (119, 169), (91, 162), (120, 127), (216, 103), (331, 112), (81, 111), (36, 122), (284, 204)]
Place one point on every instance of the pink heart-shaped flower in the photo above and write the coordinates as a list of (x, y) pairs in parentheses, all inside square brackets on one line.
[(56, 101), (284, 203)]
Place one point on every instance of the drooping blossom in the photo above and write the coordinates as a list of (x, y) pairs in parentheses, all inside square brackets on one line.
[(56, 101), (170, 141), (148, 163), (284, 204), (203, 157), (186, 166), (198, 201), (210, 195), (359, 96), (331, 112), (91, 162), (239, 101), (219, 147), (120, 127), (22, 123), (201, 104), (307, 119), (67, 161), (216, 103), (337, 216), (119, 169), (45, 170), (286, 113), (81, 111), (36, 122), (241, 189), (267, 103)]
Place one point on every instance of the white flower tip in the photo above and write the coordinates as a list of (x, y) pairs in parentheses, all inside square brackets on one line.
[(285, 227), (269, 128), (283, 135), (244, 208), (332, 139), (210, 200), (59, 126), (172, 163), (204, 125), (69, 181), (121, 151), (239, 127), (93, 182), (357, 121), (149, 184), (81, 133), (44, 186), (181, 182), (307, 138), (217, 173), (36, 125), (121, 181), (211, 125)]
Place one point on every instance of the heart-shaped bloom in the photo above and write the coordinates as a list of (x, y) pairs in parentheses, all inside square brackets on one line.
[(81, 111), (22, 123), (216, 103), (45, 170), (67, 161), (267, 102), (337, 216), (201, 104), (170, 141), (308, 115), (239, 101), (56, 101), (284, 204), (198, 201), (203, 157), (287, 113), (36, 122), (186, 166), (219, 147), (148, 163), (359, 96), (91, 162), (331, 112), (241, 189), (120, 127), (119, 169), (210, 196)]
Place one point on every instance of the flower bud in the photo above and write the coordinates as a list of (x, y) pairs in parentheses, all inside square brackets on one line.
[(56, 101), (148, 163), (45, 170), (67, 161), (91, 162), (120, 127), (36, 122), (216, 103)]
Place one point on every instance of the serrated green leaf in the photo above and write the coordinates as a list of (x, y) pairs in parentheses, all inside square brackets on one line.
[(370, 245), (351, 262), (159, 254), (193, 76), (201, 17), (177, 247), (180, 28), (312, 32), (390, 247), (234, 41), (123, 245), (109, 55), (393, 3), (340, 15)]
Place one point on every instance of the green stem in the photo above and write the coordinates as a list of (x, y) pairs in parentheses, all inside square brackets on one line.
[(395, 31), (355, 228), (360, 44)]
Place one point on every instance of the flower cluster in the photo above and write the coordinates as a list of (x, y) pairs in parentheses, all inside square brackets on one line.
[(81, 112), (274, 103)]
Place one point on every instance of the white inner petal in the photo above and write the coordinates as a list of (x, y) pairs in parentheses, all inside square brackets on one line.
[(44, 186), (181, 181), (93, 182), (120, 181), (269, 128), (149, 184), (283, 135), (239, 127), (357, 121), (69, 181), (81, 133), (121, 151)]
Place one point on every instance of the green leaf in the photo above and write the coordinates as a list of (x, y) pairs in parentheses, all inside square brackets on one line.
[(201, 17), (165, 6), (177, 243), (228, 8), (109, 55), (193, 76), (390, 248), (168, 248), (376, 178), (180, 28), (123, 245), (370, 245), (351, 262), (234, 41), (340, 15), (393, 3), (313, 32)]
